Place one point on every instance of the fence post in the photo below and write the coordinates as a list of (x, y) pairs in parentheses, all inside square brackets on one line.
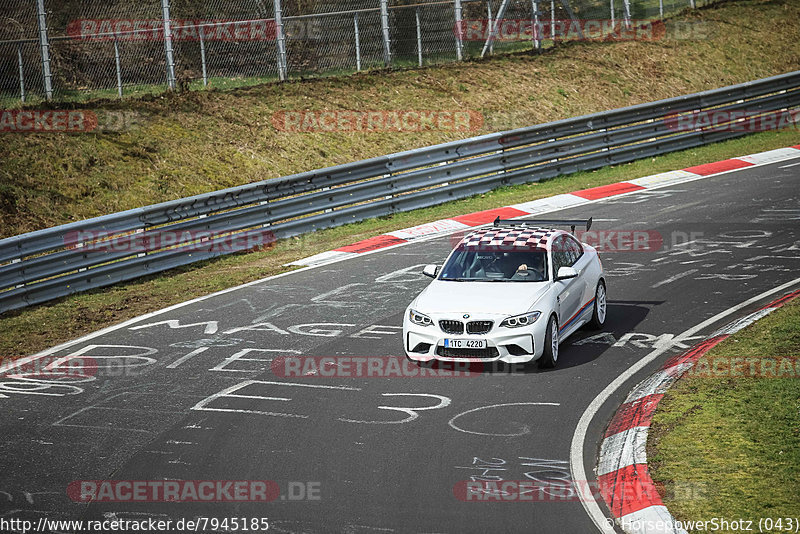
[(44, 46), (358, 41), (168, 44), (21, 73), (572, 17), (627, 5), (661, 9), (612, 13), (281, 39), (119, 69), (387, 46), (491, 25), (553, 21), (501, 11), (537, 26), (203, 57), (457, 11), (419, 38)]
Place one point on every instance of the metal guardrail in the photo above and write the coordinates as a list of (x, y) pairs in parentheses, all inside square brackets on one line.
[(50, 263)]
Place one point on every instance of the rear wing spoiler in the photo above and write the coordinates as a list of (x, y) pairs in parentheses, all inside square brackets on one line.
[(572, 223)]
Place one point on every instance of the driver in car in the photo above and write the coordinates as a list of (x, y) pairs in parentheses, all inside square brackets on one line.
[(537, 266)]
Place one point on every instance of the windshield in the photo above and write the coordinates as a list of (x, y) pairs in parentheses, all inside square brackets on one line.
[(496, 266)]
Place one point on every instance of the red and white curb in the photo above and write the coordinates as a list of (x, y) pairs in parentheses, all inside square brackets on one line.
[(628, 490), (543, 205)]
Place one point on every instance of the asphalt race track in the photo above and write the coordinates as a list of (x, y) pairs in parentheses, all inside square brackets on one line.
[(195, 398)]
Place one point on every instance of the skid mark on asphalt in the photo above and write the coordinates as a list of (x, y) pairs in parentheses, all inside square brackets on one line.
[(524, 430)]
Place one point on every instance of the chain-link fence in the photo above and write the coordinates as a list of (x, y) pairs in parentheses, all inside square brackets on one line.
[(78, 49)]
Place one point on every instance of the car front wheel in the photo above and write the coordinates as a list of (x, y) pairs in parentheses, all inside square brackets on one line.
[(550, 354), (600, 307)]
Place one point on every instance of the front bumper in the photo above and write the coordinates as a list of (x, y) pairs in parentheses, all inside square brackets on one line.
[(509, 345)]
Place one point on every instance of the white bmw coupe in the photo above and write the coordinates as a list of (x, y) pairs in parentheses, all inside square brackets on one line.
[(511, 292)]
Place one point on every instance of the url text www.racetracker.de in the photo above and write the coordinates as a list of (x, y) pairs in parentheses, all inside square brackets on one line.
[(196, 524)]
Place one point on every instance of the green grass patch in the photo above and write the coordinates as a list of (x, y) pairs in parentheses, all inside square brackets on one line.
[(733, 443), (33, 329)]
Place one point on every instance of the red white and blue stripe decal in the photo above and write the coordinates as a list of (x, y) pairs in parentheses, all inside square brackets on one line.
[(577, 315)]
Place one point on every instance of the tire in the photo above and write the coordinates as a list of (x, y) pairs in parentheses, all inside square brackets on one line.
[(600, 309), (549, 357)]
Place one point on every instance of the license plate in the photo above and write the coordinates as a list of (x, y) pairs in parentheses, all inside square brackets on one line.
[(465, 343)]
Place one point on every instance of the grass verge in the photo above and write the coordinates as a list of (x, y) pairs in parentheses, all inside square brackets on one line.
[(33, 329), (733, 443)]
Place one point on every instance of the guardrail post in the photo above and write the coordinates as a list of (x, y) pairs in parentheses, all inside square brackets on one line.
[(21, 73), (44, 46), (119, 69), (457, 14), (203, 57), (387, 45), (358, 41), (281, 40), (419, 38), (168, 44)]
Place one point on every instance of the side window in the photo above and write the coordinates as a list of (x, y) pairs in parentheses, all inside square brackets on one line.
[(574, 248), (560, 258)]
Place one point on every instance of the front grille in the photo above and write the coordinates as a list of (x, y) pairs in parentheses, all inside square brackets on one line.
[(452, 327), (479, 327), (487, 353)]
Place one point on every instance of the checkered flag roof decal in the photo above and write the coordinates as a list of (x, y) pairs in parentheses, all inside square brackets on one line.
[(509, 237)]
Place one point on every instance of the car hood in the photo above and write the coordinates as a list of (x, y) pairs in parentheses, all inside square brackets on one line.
[(501, 298)]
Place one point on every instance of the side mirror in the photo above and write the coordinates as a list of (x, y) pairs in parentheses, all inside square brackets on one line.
[(565, 273), (431, 270)]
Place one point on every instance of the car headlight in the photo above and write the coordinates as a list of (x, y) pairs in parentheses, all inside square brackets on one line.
[(419, 318), (520, 320)]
